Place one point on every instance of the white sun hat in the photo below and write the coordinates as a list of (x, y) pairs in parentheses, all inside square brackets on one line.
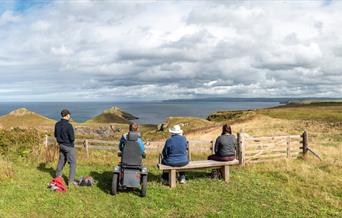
[(176, 129)]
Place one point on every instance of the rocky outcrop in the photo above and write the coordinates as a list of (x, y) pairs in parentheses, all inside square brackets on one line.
[(112, 115)]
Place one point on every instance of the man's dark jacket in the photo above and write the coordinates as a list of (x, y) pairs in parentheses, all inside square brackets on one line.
[(64, 133)]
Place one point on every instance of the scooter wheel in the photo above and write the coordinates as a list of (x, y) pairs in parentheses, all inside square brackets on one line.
[(115, 184), (143, 186)]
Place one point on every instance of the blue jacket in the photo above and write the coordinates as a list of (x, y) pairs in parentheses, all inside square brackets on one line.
[(124, 139), (175, 151)]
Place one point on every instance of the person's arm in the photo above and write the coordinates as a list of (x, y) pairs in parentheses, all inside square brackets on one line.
[(122, 143), (71, 134), (55, 133), (142, 145), (217, 145), (234, 142), (166, 149)]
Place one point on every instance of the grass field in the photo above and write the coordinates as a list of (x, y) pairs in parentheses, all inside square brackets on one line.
[(286, 189)]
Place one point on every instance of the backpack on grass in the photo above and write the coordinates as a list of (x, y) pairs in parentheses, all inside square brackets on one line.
[(57, 185), (86, 181)]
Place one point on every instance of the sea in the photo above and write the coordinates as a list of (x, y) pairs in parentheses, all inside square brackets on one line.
[(148, 112)]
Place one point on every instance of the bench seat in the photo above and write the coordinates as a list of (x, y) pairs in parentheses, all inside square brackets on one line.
[(201, 164)]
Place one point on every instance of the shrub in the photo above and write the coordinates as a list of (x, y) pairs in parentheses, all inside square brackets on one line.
[(22, 141)]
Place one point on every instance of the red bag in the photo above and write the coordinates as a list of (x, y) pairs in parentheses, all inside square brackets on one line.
[(57, 185)]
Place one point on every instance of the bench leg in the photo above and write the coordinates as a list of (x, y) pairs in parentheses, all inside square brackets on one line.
[(172, 179), (225, 173)]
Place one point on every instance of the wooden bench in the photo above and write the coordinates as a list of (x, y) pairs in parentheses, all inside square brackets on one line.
[(202, 164)]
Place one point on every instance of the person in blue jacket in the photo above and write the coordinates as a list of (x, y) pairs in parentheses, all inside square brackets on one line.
[(175, 152), (133, 127)]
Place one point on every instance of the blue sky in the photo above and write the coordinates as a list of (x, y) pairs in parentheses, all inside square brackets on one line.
[(23, 5), (133, 50)]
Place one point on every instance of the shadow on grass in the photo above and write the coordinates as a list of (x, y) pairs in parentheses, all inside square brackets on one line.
[(153, 177), (43, 168), (104, 179), (104, 182)]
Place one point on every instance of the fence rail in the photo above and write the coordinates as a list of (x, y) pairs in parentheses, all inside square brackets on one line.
[(250, 149), (253, 149), (152, 146)]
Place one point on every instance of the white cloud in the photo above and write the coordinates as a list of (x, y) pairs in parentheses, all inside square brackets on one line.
[(8, 17), (99, 50), (62, 51), (40, 26)]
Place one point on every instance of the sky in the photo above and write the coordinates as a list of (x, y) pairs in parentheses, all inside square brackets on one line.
[(83, 50)]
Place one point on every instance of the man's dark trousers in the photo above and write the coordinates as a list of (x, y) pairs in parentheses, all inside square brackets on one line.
[(67, 153)]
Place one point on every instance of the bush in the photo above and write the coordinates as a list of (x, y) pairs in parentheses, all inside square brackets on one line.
[(22, 141)]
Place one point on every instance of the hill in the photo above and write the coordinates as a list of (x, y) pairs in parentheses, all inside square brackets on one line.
[(322, 111), (318, 111), (24, 118), (112, 115), (231, 116)]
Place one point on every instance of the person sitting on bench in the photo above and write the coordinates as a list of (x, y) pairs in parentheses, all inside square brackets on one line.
[(175, 152), (133, 127), (225, 145)]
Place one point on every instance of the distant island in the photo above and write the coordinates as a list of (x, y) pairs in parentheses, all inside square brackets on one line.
[(280, 100)]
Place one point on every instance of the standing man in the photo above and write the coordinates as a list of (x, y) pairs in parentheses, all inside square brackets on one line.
[(64, 133)]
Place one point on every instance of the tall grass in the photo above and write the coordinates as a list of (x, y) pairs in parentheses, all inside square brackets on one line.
[(6, 169)]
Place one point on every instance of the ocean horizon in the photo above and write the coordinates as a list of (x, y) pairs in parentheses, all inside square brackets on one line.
[(152, 112)]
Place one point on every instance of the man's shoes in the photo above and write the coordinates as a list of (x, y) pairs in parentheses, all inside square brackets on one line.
[(182, 181), (73, 183)]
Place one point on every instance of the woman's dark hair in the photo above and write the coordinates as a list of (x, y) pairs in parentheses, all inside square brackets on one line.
[(226, 129), (133, 127)]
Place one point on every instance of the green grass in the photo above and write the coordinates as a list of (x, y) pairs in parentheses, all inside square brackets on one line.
[(322, 114), (254, 191), (321, 111)]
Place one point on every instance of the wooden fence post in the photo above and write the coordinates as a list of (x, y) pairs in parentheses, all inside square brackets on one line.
[(288, 141), (86, 146), (241, 149), (238, 146), (213, 146), (46, 142), (305, 143), (189, 153)]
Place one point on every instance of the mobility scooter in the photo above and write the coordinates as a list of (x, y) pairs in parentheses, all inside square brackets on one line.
[(130, 172)]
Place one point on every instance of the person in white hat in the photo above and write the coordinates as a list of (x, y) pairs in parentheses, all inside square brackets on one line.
[(175, 152)]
